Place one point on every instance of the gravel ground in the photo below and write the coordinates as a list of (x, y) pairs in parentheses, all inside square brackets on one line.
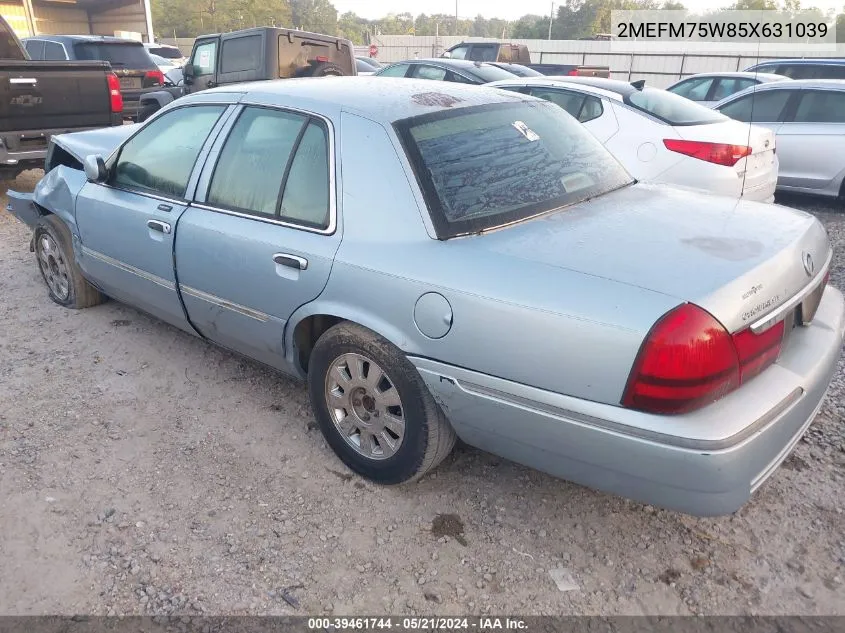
[(144, 471)]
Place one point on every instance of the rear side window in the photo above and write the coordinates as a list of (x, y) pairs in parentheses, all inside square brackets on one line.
[(35, 49), (240, 54), (275, 165), (582, 107), (422, 71), (54, 51), (727, 86), (671, 108), (131, 56), (760, 107), (484, 166), (161, 157), (397, 70), (483, 53), (821, 107)]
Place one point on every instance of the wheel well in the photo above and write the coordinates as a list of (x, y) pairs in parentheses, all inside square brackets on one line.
[(306, 334)]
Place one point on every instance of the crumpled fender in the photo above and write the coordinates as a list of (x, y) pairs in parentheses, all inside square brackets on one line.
[(55, 193)]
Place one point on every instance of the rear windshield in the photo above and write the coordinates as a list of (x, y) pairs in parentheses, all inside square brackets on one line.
[(671, 108), (166, 52), (118, 55), (522, 71), (488, 72), (485, 166)]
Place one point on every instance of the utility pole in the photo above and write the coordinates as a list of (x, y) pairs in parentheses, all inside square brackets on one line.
[(551, 19), (456, 17)]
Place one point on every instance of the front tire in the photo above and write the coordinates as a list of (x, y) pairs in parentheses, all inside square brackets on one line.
[(64, 279), (373, 407)]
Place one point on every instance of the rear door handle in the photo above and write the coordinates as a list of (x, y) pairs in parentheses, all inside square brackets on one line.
[(161, 227), (27, 81), (292, 261)]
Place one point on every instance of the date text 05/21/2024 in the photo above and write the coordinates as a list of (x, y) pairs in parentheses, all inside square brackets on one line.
[(417, 624)]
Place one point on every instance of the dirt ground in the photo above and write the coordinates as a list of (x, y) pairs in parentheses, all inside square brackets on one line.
[(145, 471)]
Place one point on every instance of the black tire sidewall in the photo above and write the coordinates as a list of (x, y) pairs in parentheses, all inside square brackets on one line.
[(48, 226), (406, 462)]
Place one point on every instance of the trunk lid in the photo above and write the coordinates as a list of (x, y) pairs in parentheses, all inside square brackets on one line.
[(760, 167), (739, 260)]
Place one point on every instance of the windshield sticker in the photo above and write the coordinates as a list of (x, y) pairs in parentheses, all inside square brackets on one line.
[(526, 131), (204, 59)]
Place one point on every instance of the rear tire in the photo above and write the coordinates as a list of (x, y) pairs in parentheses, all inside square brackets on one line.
[(147, 110), (373, 407), (54, 254)]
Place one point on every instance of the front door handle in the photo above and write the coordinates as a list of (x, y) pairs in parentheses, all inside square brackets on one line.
[(292, 261), (161, 227), (23, 81)]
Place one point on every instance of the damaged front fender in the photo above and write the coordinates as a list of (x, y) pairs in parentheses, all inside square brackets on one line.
[(55, 193)]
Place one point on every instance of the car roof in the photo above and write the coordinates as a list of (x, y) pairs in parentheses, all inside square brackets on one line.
[(818, 84), (622, 88), (827, 61), (381, 99), (746, 74), (464, 64), (73, 39)]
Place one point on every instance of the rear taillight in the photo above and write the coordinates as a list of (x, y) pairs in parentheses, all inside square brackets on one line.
[(156, 76), (689, 360), (826, 279), (114, 93), (719, 153), (573, 72), (321, 58)]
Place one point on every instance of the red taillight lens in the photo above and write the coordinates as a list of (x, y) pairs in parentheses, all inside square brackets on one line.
[(689, 360), (156, 75), (573, 72), (321, 58), (826, 278), (114, 93), (719, 153)]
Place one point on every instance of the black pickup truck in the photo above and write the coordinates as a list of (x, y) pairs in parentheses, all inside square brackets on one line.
[(256, 54), (41, 98), (519, 54)]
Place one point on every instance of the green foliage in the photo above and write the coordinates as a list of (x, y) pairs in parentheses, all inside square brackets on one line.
[(575, 19)]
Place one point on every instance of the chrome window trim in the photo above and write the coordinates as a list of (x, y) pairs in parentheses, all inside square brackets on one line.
[(62, 44), (763, 324), (165, 283), (200, 198)]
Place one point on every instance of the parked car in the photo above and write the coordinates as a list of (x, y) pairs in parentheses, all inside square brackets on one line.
[(164, 65), (257, 54), (661, 137), (168, 52), (367, 65), (809, 68), (42, 98), (710, 88), (807, 116), (519, 54), (518, 69), (454, 70), (135, 69), (689, 352)]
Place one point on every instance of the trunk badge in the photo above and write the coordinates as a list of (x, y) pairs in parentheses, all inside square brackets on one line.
[(809, 266)]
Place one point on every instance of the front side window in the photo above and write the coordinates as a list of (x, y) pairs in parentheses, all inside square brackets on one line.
[(160, 158), (694, 89), (817, 106), (205, 58), (459, 52), (759, 107), (727, 86), (274, 164), (484, 53), (397, 70), (54, 51), (484, 166)]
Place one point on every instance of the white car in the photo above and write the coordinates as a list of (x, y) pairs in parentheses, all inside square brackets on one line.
[(164, 65), (663, 138), (171, 53)]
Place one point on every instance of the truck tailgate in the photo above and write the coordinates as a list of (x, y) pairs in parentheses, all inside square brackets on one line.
[(53, 95)]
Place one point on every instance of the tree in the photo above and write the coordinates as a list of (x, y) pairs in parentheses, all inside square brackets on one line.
[(317, 16), (840, 27), (530, 27)]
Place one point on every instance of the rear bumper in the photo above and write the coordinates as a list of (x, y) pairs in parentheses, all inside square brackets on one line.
[(14, 156), (643, 456), (719, 180)]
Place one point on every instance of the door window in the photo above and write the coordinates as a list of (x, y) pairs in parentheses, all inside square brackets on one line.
[(821, 107), (459, 52), (205, 58), (161, 157), (760, 107), (397, 70), (694, 89), (484, 52), (35, 48), (54, 52), (240, 53), (727, 86), (275, 164), (422, 71)]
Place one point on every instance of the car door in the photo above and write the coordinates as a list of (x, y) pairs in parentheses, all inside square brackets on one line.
[(588, 109), (812, 142), (127, 224), (204, 62), (769, 108), (261, 238)]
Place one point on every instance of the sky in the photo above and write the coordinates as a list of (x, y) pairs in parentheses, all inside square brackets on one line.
[(507, 9)]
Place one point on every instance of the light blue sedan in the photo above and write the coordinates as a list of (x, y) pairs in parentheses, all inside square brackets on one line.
[(502, 280)]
